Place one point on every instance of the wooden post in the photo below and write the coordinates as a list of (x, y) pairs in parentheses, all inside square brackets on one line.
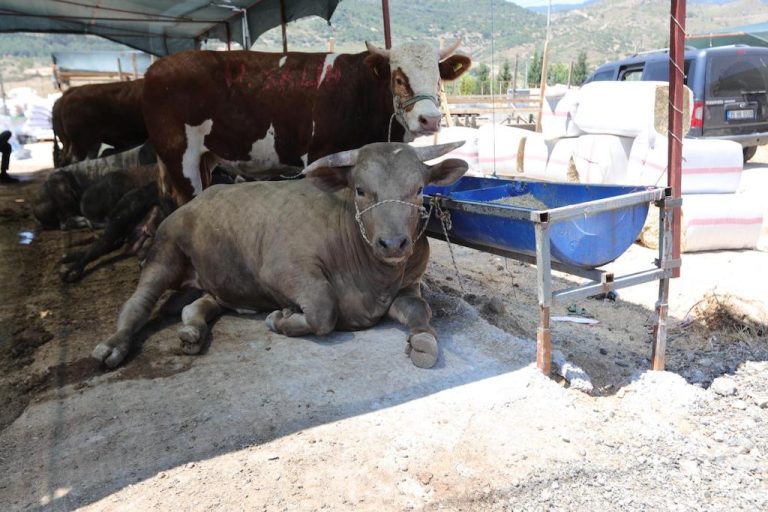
[(119, 70), (282, 26), (675, 127), (2, 95), (514, 79), (331, 44), (543, 84), (443, 100), (135, 66), (570, 72), (387, 29)]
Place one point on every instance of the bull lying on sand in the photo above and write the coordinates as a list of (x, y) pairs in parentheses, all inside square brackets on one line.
[(336, 251)]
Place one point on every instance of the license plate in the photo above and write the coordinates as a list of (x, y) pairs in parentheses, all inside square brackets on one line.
[(740, 115)]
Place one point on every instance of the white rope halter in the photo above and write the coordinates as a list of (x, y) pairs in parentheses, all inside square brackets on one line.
[(424, 213)]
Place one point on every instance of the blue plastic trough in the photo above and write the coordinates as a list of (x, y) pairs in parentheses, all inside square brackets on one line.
[(587, 241)]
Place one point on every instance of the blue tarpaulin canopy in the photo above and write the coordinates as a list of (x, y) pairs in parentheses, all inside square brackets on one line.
[(160, 27)]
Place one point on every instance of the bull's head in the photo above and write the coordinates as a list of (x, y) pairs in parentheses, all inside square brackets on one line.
[(386, 182), (415, 71)]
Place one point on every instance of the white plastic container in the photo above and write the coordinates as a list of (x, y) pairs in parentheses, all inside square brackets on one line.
[(708, 167), (627, 108)]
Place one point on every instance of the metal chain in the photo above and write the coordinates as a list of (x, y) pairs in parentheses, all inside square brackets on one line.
[(425, 214), (445, 221)]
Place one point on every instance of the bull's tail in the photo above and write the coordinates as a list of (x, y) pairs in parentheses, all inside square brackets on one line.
[(56, 150)]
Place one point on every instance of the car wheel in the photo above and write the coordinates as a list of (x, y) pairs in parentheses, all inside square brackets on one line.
[(749, 152)]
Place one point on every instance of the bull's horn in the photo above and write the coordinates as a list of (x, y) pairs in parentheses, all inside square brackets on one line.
[(341, 159), (376, 50), (426, 153), (447, 52)]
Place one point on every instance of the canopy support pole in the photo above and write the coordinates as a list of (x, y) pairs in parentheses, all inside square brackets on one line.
[(387, 29), (282, 26), (670, 256)]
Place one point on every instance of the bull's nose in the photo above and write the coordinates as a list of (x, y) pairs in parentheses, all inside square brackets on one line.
[(429, 123), (394, 246)]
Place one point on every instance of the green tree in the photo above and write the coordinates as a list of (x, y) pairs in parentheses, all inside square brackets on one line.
[(468, 84), (534, 71), (505, 75), (579, 69), (557, 73), (482, 72)]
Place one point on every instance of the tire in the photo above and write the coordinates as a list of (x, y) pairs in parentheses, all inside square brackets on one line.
[(749, 152)]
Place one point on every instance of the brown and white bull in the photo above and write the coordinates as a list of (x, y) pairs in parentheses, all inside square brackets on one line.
[(255, 112), (339, 250), (89, 115)]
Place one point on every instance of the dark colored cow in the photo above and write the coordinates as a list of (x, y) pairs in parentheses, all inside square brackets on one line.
[(339, 250), (90, 115), (254, 112)]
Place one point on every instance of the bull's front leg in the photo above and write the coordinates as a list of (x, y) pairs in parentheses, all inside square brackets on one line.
[(411, 310), (317, 315)]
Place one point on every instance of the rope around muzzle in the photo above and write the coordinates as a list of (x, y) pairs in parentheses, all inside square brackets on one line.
[(424, 214), (400, 107)]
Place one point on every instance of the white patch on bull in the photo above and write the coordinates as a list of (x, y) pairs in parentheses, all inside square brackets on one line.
[(241, 311), (282, 61), (304, 159), (190, 161), (328, 64), (419, 63), (397, 151), (263, 157), (263, 153), (313, 130)]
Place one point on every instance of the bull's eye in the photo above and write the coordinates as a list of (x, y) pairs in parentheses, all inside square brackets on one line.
[(399, 81), (359, 192)]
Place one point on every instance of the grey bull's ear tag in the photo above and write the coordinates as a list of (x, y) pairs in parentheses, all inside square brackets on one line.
[(447, 171)]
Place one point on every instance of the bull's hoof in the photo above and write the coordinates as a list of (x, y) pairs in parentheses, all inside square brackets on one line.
[(113, 351), (272, 320), (71, 274), (422, 348), (191, 339)]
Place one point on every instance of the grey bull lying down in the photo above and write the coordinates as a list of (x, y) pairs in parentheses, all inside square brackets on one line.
[(339, 250)]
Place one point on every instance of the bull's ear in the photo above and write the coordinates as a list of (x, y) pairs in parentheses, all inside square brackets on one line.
[(454, 66), (447, 171), (379, 65), (330, 179)]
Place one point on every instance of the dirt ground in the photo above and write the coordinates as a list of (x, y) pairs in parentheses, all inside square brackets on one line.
[(347, 423)]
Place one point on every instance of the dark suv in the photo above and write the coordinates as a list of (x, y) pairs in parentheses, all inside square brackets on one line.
[(729, 85)]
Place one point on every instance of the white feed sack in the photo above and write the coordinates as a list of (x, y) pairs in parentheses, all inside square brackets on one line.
[(512, 152), (594, 159), (500, 149), (627, 108), (557, 122), (713, 222), (708, 167), (467, 152)]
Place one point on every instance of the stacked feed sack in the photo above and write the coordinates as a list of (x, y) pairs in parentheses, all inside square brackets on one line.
[(467, 152), (627, 109), (712, 222), (512, 152), (718, 212), (604, 117), (38, 119), (557, 121), (594, 159), (708, 167)]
